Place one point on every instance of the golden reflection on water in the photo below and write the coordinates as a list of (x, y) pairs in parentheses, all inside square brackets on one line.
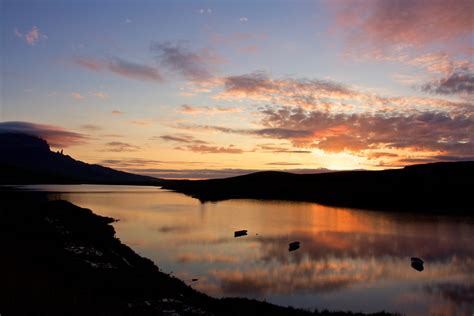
[(349, 259)]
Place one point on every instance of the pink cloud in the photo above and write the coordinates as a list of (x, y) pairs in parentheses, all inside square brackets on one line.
[(32, 37), (396, 23)]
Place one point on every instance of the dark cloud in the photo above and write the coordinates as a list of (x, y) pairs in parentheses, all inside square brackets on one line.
[(452, 134), (260, 86), (174, 229), (181, 138), (448, 136), (192, 65), (54, 135), (194, 173), (459, 294), (284, 133), (257, 282), (458, 82), (376, 155), (435, 158), (134, 70), (130, 163), (91, 127), (325, 95), (143, 164), (120, 67), (277, 133), (453, 158), (278, 149), (120, 147)]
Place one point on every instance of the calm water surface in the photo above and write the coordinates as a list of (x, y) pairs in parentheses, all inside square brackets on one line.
[(349, 259)]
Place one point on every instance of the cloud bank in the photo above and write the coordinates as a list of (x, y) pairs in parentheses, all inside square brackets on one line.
[(56, 136)]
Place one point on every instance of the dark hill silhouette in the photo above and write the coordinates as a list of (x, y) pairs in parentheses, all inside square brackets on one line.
[(435, 187), (26, 159)]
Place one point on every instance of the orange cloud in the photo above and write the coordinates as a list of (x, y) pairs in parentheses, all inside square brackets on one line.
[(189, 109), (205, 149), (355, 132), (439, 136), (100, 95), (77, 96)]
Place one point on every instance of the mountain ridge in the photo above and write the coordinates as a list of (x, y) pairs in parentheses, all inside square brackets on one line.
[(27, 159)]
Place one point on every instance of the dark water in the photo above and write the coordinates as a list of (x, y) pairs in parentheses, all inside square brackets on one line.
[(348, 260)]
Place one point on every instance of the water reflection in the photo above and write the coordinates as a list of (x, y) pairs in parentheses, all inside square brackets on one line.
[(348, 259)]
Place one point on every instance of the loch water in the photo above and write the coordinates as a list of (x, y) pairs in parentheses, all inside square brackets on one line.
[(349, 259)]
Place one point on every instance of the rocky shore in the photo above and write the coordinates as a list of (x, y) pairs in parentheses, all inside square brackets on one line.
[(60, 259)]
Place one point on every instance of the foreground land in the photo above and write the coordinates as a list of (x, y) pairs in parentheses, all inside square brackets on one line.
[(59, 259), (436, 187)]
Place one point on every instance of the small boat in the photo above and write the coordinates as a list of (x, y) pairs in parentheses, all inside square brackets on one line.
[(417, 264), (240, 233), (294, 246), (416, 259)]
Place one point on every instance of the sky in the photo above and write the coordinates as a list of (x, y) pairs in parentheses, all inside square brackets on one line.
[(205, 89)]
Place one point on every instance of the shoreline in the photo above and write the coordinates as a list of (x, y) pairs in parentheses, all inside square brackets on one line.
[(63, 259), (438, 188)]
